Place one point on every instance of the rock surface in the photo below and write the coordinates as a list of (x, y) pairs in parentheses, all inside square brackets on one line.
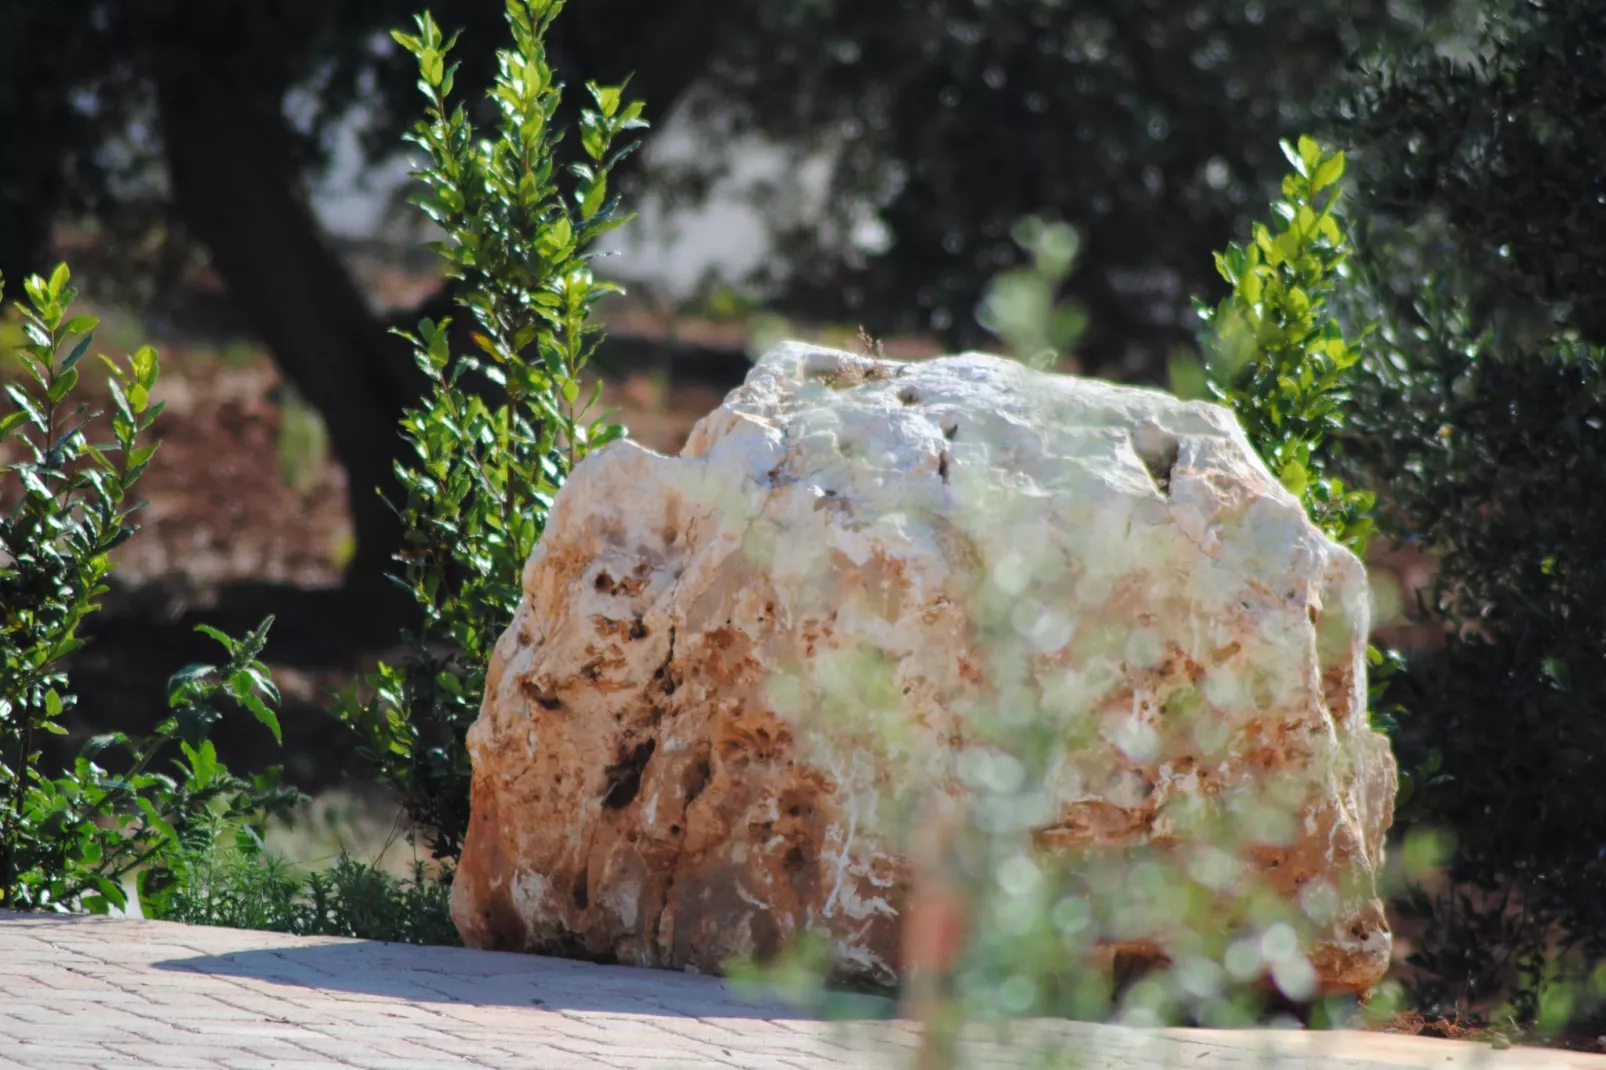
[(684, 753)]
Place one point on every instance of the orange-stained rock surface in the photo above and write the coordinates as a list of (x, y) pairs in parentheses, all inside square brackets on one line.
[(731, 670)]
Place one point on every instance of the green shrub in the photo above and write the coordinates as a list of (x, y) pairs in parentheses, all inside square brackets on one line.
[(71, 841), (1276, 352), (1278, 356), (503, 427)]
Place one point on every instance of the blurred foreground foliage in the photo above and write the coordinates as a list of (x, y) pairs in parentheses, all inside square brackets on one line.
[(1180, 927)]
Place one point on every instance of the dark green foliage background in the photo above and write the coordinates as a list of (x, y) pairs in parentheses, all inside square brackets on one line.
[(1482, 418), (1149, 124)]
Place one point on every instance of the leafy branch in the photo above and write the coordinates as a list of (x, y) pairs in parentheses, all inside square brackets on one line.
[(1277, 353)]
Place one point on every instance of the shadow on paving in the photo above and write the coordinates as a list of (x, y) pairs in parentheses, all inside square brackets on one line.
[(501, 979)]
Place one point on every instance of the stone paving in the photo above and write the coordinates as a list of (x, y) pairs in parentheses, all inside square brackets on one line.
[(80, 992)]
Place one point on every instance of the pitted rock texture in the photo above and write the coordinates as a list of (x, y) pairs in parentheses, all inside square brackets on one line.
[(684, 756)]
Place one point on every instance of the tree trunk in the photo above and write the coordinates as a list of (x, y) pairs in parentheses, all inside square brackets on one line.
[(236, 184)]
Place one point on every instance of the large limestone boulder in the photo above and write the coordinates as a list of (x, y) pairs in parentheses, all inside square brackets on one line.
[(728, 665)]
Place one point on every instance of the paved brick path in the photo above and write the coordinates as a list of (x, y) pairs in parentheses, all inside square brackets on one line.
[(97, 992)]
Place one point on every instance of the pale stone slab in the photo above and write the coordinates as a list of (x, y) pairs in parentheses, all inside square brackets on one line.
[(492, 1023)]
